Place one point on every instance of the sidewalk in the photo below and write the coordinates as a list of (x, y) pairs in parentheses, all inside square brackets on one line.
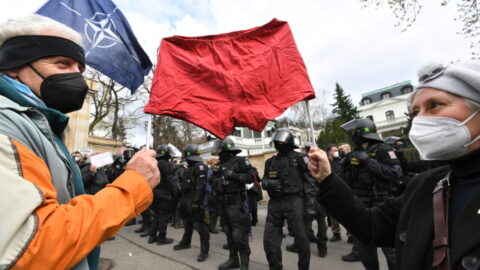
[(129, 251)]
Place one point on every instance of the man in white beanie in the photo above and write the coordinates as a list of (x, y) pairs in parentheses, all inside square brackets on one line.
[(435, 223)]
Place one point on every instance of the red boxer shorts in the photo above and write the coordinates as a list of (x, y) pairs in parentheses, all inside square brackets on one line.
[(218, 82)]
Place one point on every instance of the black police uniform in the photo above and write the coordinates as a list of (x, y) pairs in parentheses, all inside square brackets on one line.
[(162, 206), (229, 179), (370, 173), (192, 194), (287, 202)]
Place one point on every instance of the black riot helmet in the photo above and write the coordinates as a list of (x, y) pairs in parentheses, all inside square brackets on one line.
[(362, 130), (283, 135), (164, 150), (191, 152), (225, 145)]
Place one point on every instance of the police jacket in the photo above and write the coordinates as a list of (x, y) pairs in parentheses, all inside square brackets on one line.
[(406, 222), (192, 184), (166, 189), (230, 177), (374, 175), (292, 172)]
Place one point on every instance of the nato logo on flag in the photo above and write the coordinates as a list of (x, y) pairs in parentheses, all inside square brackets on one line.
[(109, 43)]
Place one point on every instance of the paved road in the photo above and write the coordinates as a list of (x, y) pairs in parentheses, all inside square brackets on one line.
[(129, 251)]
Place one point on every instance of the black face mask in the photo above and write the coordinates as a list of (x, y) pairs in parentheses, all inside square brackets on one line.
[(225, 156), (282, 148), (64, 92), (357, 140)]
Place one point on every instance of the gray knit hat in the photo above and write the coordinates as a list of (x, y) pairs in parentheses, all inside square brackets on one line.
[(460, 78)]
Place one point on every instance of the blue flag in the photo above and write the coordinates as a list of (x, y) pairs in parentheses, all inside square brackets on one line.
[(109, 42)]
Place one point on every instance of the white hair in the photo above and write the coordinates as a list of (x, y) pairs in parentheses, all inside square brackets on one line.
[(35, 24)]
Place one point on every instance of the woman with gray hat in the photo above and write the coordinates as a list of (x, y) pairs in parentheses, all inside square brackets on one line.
[(435, 223)]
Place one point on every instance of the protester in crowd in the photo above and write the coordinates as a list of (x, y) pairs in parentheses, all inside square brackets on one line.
[(192, 198), (287, 181), (93, 179), (212, 203), (163, 195), (52, 223), (434, 224), (230, 175)]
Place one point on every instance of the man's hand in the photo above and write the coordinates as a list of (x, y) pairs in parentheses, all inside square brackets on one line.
[(144, 162), (93, 169), (318, 164)]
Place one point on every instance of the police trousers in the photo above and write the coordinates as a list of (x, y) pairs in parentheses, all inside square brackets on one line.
[(290, 208), (235, 222)]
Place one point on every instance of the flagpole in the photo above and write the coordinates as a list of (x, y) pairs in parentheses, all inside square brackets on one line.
[(312, 136), (149, 131)]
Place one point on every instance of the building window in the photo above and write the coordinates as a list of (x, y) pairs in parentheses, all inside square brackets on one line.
[(369, 117), (390, 115), (386, 95), (257, 134), (237, 133), (366, 101), (406, 90)]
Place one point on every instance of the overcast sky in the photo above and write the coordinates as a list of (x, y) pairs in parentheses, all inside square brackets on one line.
[(339, 41)]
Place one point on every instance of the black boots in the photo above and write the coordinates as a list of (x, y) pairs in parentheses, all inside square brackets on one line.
[(233, 262), (152, 239), (202, 257), (164, 241), (181, 246)]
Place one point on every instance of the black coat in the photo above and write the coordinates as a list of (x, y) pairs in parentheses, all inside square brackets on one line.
[(406, 222)]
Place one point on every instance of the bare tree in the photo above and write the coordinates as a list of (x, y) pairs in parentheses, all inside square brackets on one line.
[(318, 108), (406, 11)]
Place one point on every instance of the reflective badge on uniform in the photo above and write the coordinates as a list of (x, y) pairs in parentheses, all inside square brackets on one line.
[(201, 167), (273, 174), (392, 155), (305, 158), (247, 162)]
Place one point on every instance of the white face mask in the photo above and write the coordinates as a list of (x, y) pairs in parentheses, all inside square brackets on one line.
[(441, 138), (335, 154)]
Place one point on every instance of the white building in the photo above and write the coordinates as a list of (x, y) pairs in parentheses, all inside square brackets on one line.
[(387, 107)]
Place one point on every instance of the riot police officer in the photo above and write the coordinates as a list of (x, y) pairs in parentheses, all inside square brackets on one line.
[(370, 171), (230, 175), (164, 194), (192, 195), (288, 183)]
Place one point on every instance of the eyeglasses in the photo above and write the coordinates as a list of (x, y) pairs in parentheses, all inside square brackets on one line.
[(436, 72)]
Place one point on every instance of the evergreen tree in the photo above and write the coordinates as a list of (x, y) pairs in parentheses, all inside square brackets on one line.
[(344, 111), (343, 106), (333, 134)]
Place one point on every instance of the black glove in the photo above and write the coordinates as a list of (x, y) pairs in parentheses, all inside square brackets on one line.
[(230, 174), (360, 157)]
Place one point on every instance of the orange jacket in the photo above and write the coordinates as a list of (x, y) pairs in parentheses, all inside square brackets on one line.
[(37, 232)]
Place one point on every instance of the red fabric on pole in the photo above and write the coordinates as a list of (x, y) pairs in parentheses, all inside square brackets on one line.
[(242, 78)]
